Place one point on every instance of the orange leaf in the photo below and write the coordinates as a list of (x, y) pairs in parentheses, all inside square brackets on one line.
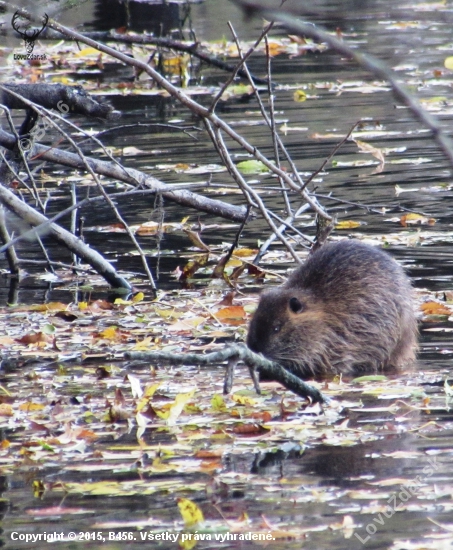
[(231, 312), (416, 219), (434, 308), (6, 410)]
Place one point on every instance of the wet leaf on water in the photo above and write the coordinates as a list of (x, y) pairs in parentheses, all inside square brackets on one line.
[(218, 403), (190, 512), (136, 387), (237, 90), (195, 239), (193, 266), (435, 308), (34, 338), (370, 378), (187, 324), (31, 407), (245, 252), (416, 219), (248, 167), (178, 406), (348, 224), (231, 314), (299, 96), (6, 410), (367, 148)]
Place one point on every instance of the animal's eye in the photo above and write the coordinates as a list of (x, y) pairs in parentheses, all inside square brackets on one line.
[(277, 327), (295, 305)]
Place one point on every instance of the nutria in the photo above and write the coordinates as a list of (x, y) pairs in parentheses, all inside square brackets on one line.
[(347, 309)]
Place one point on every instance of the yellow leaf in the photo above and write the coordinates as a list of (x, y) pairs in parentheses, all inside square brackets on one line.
[(299, 96), (31, 407), (218, 403), (347, 224), (244, 252), (191, 514), (243, 400), (121, 302), (412, 219), (448, 63), (276, 48), (178, 406), (87, 51), (61, 79), (109, 333), (143, 345), (138, 297), (83, 306), (150, 390)]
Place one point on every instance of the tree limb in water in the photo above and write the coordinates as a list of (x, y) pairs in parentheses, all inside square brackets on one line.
[(237, 351), (75, 245)]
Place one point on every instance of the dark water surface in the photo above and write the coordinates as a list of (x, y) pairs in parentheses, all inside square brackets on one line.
[(414, 37)]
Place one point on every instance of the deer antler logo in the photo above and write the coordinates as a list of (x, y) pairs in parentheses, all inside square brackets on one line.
[(29, 39)]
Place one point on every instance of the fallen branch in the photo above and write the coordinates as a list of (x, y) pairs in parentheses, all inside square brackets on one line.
[(74, 98), (236, 352), (75, 245), (133, 177), (197, 109)]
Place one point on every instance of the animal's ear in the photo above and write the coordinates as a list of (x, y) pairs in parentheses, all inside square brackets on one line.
[(295, 305)]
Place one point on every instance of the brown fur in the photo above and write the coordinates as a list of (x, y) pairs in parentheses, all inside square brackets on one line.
[(347, 309)]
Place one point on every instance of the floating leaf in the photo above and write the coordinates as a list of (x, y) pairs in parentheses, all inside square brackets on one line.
[(218, 403), (434, 308), (348, 224), (6, 410), (416, 219), (30, 407), (139, 297), (370, 378), (231, 313), (248, 167), (367, 148), (176, 409), (299, 96), (190, 512)]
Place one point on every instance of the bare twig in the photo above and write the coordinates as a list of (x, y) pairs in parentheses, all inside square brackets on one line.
[(239, 351), (333, 152), (195, 107), (42, 110)]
